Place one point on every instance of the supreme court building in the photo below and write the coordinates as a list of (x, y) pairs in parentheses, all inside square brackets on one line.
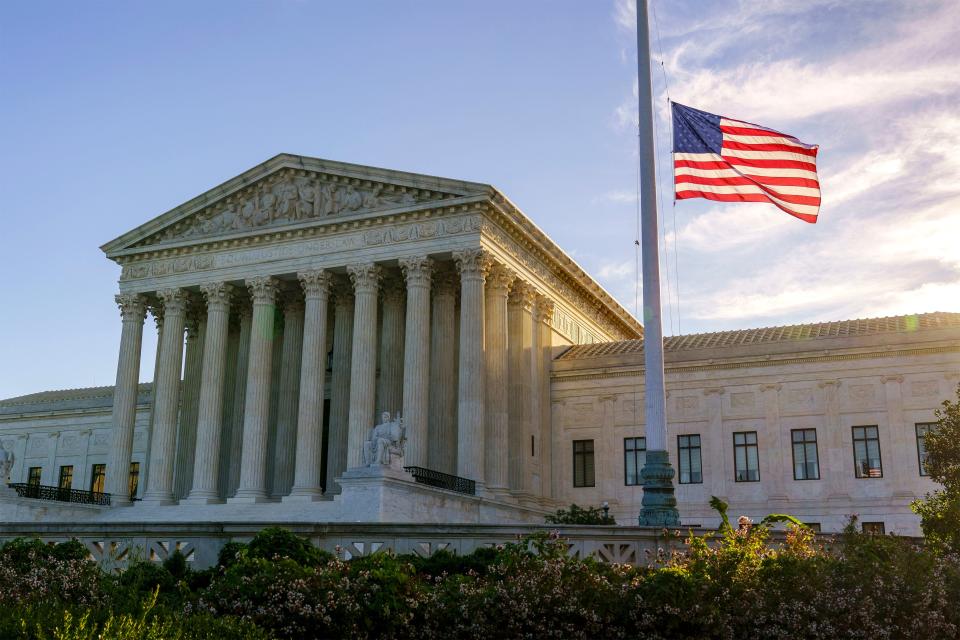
[(299, 302)]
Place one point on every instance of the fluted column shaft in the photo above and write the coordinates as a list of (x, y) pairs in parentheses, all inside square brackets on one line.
[(363, 371), (308, 482), (253, 471), (206, 469), (287, 403), (545, 308), (155, 307), (390, 383), (239, 399), (416, 359), (343, 309), (473, 265), (163, 440), (520, 336), (189, 399), (442, 420), (496, 443), (133, 311)]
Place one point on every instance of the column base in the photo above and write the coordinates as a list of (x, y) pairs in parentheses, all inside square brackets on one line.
[(305, 495), (659, 503), (115, 501), (158, 500), (250, 496), (202, 498)]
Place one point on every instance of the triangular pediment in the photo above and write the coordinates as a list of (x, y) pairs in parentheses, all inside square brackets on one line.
[(291, 191)]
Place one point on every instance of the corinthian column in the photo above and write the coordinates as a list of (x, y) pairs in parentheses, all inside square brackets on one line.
[(442, 428), (239, 397), (253, 458), (416, 358), (308, 482), (390, 384), (133, 310), (363, 373), (196, 325), (520, 323), (289, 394), (206, 469), (343, 306), (498, 418), (473, 265), (545, 308), (163, 440)]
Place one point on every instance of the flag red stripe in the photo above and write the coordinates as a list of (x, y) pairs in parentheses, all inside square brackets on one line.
[(749, 179), (750, 131), (771, 164), (743, 146), (813, 201), (743, 197)]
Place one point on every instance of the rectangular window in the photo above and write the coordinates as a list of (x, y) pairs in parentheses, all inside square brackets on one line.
[(33, 476), (806, 466), (866, 452), (746, 456), (923, 428), (134, 479), (583, 463), (66, 477), (634, 456), (814, 526), (874, 527), (688, 453), (97, 476)]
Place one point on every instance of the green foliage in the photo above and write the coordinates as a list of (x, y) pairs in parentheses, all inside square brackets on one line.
[(275, 542), (940, 511), (444, 562), (231, 553), (579, 515)]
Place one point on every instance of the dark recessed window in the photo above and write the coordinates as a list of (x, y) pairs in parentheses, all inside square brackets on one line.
[(98, 474), (33, 476), (134, 479), (815, 526), (746, 457), (634, 456), (688, 455), (866, 452), (66, 477), (806, 465), (583, 472), (874, 527), (923, 428)]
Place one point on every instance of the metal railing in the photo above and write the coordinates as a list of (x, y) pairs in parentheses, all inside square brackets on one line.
[(45, 492), (443, 480)]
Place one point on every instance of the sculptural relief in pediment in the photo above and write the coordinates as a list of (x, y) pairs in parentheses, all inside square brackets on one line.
[(290, 197)]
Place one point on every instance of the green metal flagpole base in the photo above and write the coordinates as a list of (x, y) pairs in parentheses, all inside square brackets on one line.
[(659, 503)]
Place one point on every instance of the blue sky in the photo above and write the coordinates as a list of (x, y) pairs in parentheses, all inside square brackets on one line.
[(113, 112)]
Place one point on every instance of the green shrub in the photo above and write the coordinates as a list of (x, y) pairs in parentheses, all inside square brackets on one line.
[(275, 542), (579, 515)]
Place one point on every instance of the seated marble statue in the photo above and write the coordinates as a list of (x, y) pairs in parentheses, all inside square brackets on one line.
[(386, 442), (6, 464)]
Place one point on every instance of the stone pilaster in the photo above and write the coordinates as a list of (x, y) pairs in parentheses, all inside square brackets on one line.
[(390, 383), (363, 371), (900, 439), (770, 444), (841, 457), (132, 312), (196, 324), (343, 310), (167, 382), (245, 312), (473, 265), (718, 471), (416, 359), (520, 341), (288, 400), (206, 469), (442, 420), (253, 466), (544, 345), (308, 482), (496, 442)]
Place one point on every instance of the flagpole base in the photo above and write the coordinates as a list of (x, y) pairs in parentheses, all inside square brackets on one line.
[(659, 502)]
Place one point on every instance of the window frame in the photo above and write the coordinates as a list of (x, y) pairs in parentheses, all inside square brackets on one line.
[(805, 444), (133, 481), (874, 524), (39, 476), (688, 449), (922, 455), (98, 475), (866, 441), (66, 472), (746, 455), (636, 460), (583, 458)]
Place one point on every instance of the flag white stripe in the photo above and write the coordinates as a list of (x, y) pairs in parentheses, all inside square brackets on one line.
[(698, 157), (732, 137), (745, 189), (787, 190), (767, 155), (754, 172), (727, 122)]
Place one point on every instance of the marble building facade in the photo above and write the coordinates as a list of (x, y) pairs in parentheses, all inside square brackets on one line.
[(299, 301)]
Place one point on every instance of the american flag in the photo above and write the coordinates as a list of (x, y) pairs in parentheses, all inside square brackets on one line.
[(728, 160)]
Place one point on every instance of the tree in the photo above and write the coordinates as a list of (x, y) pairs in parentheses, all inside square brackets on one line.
[(940, 511)]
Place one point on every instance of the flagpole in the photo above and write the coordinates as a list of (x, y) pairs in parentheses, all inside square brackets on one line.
[(659, 504)]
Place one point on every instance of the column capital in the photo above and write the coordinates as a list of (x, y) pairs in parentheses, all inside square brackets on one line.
[(417, 270), (392, 288), (544, 309), (522, 294), (365, 277), (292, 300), (242, 305), (174, 301), (886, 379), (473, 263), (342, 290), (445, 281), (218, 294), (155, 307), (133, 306), (263, 289), (825, 384), (315, 283), (713, 391), (499, 279), (776, 386)]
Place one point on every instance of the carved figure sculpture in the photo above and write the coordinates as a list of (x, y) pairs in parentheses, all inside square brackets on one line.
[(6, 464), (386, 443)]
